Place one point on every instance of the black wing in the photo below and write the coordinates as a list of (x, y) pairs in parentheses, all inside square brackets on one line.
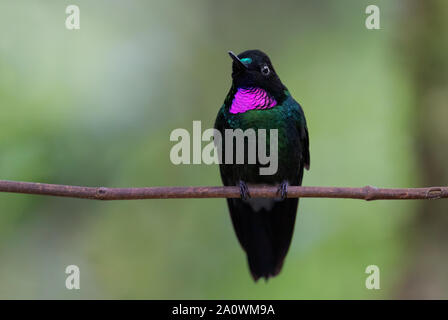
[(304, 138)]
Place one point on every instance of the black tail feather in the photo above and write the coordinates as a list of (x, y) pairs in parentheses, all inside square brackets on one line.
[(265, 234)]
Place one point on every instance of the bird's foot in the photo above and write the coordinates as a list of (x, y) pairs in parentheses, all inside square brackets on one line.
[(283, 190), (244, 190)]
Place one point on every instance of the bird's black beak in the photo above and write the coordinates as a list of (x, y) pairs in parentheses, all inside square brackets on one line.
[(237, 61)]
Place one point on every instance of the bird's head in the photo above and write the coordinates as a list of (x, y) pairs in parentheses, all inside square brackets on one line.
[(253, 68)]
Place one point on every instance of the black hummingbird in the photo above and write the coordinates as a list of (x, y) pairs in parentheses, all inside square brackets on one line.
[(258, 100)]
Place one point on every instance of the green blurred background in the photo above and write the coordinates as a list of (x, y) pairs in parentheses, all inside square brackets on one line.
[(96, 107)]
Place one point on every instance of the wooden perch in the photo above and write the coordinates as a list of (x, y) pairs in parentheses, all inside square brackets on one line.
[(101, 193)]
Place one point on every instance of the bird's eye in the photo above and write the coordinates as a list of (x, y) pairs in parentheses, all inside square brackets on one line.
[(265, 70)]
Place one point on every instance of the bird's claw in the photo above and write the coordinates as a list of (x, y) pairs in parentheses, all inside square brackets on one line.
[(244, 190), (283, 190)]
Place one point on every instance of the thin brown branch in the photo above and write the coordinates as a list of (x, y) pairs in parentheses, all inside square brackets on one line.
[(102, 193)]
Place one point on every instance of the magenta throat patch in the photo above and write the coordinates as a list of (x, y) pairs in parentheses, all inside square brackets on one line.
[(250, 99)]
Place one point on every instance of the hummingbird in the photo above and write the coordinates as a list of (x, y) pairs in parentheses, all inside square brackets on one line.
[(257, 99)]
